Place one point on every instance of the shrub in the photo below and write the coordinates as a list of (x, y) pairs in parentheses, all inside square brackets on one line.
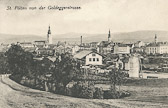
[(68, 91), (60, 89), (86, 92), (83, 90), (16, 78), (98, 94), (111, 94)]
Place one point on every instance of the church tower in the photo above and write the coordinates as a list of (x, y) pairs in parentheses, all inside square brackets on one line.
[(49, 36), (155, 38), (109, 36)]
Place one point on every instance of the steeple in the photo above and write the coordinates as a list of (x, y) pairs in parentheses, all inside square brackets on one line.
[(49, 36), (49, 31), (155, 38), (109, 36)]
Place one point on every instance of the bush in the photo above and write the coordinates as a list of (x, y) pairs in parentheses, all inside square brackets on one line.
[(16, 78), (68, 91), (86, 92), (98, 94), (111, 94), (60, 89), (83, 90)]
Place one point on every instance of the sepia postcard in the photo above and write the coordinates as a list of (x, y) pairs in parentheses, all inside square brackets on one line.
[(83, 54)]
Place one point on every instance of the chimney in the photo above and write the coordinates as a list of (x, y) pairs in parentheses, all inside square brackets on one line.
[(81, 40)]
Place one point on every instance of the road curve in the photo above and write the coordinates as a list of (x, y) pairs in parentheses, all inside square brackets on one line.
[(14, 95)]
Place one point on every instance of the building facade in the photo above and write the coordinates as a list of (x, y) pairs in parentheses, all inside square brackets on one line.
[(122, 49), (89, 57), (134, 67), (157, 48), (139, 44), (94, 59)]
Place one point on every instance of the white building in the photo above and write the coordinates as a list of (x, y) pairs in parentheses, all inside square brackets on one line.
[(89, 57), (26, 45), (75, 48), (139, 44), (134, 66), (157, 48), (122, 49), (94, 59)]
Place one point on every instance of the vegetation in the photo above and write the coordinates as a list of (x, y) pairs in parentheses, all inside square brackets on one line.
[(3, 64), (65, 70), (116, 78), (23, 67), (55, 76)]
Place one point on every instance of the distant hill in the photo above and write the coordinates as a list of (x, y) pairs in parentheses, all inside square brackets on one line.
[(145, 35), (9, 38)]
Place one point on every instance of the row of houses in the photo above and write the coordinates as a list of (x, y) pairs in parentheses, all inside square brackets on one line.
[(104, 47), (41, 48), (90, 59)]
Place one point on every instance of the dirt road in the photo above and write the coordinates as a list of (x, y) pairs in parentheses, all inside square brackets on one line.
[(14, 95)]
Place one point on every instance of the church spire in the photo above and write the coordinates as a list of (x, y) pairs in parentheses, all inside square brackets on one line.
[(49, 31), (109, 36), (49, 36), (155, 38)]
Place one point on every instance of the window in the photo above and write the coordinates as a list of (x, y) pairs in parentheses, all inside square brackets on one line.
[(97, 59), (93, 59), (93, 54), (90, 59)]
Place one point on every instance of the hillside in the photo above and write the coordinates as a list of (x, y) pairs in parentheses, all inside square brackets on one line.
[(14, 95), (146, 36)]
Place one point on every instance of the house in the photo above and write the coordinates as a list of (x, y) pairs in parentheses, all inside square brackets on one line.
[(26, 44), (129, 64), (122, 49), (40, 42), (105, 47), (152, 48), (139, 44), (89, 57), (75, 49), (45, 52), (93, 44), (139, 49), (85, 46), (157, 48)]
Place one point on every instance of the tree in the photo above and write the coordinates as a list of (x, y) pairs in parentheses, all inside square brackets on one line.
[(3, 64), (65, 70), (19, 61), (116, 77)]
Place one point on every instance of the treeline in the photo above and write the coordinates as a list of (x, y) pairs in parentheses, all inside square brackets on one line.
[(60, 76), (22, 66), (3, 64)]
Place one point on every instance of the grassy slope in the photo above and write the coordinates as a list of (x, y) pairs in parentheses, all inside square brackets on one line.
[(147, 82), (142, 96)]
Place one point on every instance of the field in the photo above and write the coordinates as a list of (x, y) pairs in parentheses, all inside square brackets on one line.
[(14, 95), (145, 90)]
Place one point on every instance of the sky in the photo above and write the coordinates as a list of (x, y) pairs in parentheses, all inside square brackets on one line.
[(94, 17)]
